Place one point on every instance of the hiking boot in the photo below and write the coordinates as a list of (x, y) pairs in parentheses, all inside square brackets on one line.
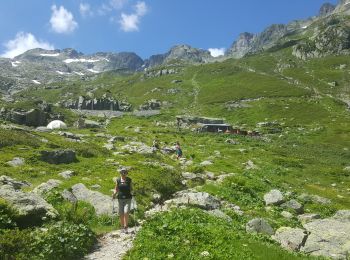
[(125, 230)]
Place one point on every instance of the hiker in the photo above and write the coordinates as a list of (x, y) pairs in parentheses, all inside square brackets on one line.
[(155, 144), (178, 123), (178, 150), (123, 190)]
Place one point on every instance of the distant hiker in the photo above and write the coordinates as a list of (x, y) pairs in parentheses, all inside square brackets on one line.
[(155, 144), (178, 151), (178, 123), (123, 191)]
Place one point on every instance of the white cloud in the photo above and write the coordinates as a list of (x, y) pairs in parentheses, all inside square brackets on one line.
[(106, 8), (62, 21), (216, 52), (23, 42), (85, 10), (130, 22), (117, 4), (141, 8)]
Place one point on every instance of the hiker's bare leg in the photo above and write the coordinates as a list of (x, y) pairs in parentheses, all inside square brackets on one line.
[(126, 219), (121, 217)]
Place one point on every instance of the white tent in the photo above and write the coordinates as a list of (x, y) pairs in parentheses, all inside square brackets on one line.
[(56, 124)]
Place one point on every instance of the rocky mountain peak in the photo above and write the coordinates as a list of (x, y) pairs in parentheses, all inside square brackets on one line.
[(241, 46), (326, 9), (71, 53)]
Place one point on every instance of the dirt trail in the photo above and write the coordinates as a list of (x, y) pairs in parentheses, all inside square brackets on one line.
[(113, 245)]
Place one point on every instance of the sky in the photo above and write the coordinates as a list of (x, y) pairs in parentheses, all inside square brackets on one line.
[(146, 27)]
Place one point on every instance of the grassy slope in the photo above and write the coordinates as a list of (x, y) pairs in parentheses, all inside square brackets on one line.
[(308, 156)]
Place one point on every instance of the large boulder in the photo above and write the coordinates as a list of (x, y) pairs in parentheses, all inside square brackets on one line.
[(47, 186), (259, 225), (291, 238), (314, 198), (15, 162), (138, 147), (58, 156), (102, 203), (6, 180), (274, 197), (304, 218), (294, 205), (34, 117), (199, 199), (31, 207), (329, 237)]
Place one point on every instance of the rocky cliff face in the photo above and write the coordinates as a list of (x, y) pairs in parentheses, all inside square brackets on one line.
[(326, 9), (254, 43), (184, 53), (332, 37), (241, 46), (250, 43)]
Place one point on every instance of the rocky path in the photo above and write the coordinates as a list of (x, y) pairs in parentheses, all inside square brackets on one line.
[(113, 245)]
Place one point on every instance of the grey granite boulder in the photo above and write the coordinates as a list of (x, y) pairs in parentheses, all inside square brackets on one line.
[(274, 197), (15, 162), (199, 199), (6, 180), (68, 195), (294, 205), (102, 203), (67, 174), (304, 218), (291, 238), (58, 156), (219, 214), (314, 198), (30, 206), (329, 237), (259, 225), (47, 186)]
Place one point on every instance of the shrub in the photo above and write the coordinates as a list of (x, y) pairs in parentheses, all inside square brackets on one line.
[(15, 244), (7, 216), (15, 137), (62, 241), (56, 241)]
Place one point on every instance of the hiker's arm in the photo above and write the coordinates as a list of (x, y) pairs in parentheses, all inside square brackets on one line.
[(115, 189)]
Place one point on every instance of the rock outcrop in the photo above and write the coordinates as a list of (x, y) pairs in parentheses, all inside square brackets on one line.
[(327, 237), (291, 238), (331, 38), (47, 186), (58, 156), (259, 225), (274, 197), (31, 207), (102, 203)]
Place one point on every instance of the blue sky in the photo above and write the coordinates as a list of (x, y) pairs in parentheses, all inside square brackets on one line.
[(145, 27)]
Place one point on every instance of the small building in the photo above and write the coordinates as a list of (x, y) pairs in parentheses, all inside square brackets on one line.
[(215, 128)]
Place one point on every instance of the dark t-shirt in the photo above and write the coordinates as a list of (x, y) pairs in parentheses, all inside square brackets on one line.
[(124, 188)]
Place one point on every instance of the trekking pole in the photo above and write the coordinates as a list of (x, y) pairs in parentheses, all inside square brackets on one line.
[(112, 211), (134, 213)]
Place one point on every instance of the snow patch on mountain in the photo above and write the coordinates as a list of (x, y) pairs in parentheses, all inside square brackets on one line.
[(80, 60), (49, 54)]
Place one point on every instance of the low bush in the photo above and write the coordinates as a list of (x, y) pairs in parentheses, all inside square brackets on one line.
[(54, 241), (15, 137)]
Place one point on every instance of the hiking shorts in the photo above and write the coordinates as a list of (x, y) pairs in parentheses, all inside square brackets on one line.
[(124, 206)]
